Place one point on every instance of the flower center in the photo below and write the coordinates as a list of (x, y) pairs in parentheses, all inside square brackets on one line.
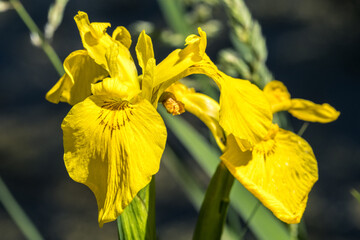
[(267, 146)]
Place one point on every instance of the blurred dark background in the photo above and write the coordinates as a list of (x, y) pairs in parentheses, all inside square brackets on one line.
[(313, 48)]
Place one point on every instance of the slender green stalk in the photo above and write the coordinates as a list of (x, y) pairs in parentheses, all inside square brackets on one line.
[(214, 207), (294, 231), (303, 129), (50, 52), (17, 214)]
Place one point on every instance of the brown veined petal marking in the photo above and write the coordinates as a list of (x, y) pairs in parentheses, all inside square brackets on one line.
[(114, 147)]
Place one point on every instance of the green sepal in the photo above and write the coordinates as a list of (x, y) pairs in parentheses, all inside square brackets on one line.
[(137, 221)]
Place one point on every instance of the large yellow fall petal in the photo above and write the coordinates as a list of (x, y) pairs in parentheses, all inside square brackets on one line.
[(280, 172), (308, 111), (114, 148), (74, 86)]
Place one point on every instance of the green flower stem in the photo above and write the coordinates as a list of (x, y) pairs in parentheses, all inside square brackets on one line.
[(137, 221), (294, 231), (50, 52), (214, 208), (18, 214)]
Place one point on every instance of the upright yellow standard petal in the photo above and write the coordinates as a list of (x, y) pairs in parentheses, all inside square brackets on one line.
[(114, 147), (97, 42), (144, 49), (122, 35), (123, 68), (145, 55), (80, 72), (94, 38), (280, 172)]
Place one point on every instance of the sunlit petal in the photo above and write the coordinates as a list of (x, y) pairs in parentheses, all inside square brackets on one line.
[(308, 111), (122, 35), (114, 148), (244, 111), (74, 86), (280, 172), (176, 65)]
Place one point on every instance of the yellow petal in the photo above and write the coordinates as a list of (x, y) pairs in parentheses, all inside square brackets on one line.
[(122, 67), (74, 86), (122, 35), (148, 81), (110, 147), (244, 111), (308, 111), (94, 38), (174, 66), (278, 96), (113, 88), (202, 106), (144, 49), (280, 172)]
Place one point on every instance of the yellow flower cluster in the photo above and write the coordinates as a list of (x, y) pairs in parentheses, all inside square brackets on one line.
[(114, 137)]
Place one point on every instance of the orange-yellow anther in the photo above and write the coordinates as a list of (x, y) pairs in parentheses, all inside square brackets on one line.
[(172, 105)]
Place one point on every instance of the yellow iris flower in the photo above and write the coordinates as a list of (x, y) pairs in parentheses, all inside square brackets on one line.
[(281, 168), (113, 135)]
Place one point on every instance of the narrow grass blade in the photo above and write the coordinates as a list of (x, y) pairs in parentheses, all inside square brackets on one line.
[(17, 214)]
